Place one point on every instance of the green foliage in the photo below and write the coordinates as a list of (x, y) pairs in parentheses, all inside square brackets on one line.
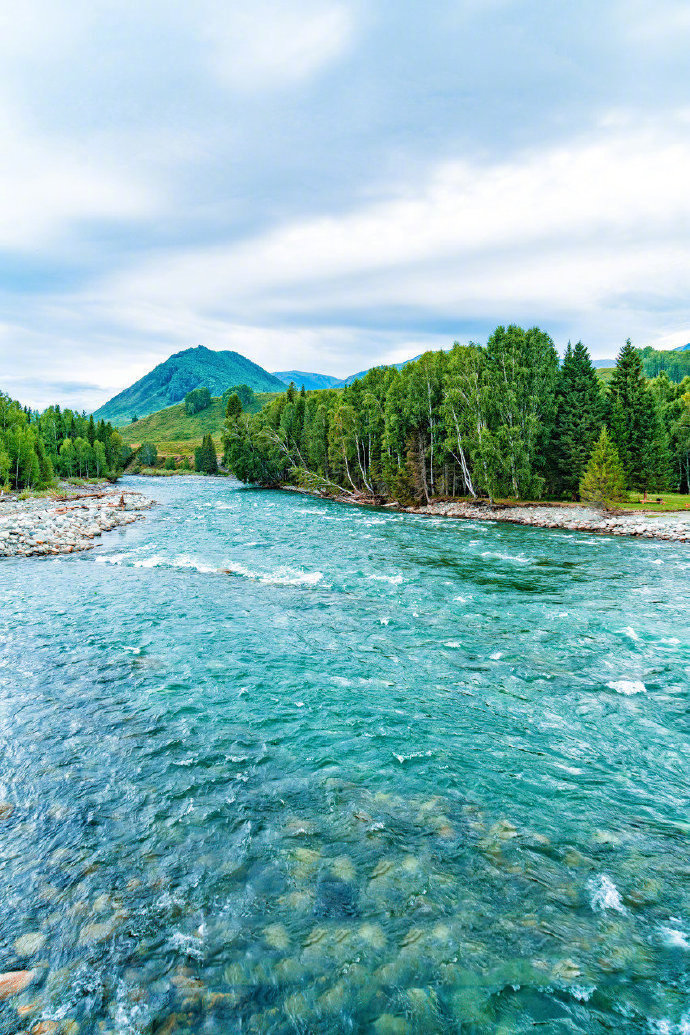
[(675, 363), (578, 420), (169, 382), (205, 459), (196, 401), (148, 454), (634, 419), (234, 407), (34, 447), (603, 482), (244, 393), (170, 464), (504, 420)]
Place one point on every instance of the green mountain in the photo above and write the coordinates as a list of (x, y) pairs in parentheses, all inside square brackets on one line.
[(169, 382)]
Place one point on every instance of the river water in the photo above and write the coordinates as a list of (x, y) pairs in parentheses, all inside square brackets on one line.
[(278, 765)]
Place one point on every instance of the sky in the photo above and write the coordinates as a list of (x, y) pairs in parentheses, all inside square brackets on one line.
[(325, 185)]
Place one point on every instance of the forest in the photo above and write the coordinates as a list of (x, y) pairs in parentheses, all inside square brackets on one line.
[(504, 420), (35, 447)]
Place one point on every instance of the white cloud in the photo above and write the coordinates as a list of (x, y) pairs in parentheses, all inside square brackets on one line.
[(50, 185), (577, 226), (262, 44)]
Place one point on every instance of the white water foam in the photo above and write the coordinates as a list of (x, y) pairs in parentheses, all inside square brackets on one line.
[(280, 577), (394, 580), (628, 686), (674, 939), (603, 894)]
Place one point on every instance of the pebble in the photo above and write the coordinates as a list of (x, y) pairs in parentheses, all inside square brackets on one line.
[(44, 527), (674, 527)]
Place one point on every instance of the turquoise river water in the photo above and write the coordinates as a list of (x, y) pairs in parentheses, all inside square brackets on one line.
[(278, 765)]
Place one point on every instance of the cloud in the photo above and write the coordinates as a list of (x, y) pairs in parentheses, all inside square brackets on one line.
[(264, 44), (50, 187), (577, 226)]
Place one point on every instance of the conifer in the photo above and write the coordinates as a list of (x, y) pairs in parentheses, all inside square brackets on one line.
[(603, 482)]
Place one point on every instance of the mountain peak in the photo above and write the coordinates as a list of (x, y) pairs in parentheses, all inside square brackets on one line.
[(195, 367)]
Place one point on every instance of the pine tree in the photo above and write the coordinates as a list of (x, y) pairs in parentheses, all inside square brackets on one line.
[(579, 413), (635, 424), (603, 482)]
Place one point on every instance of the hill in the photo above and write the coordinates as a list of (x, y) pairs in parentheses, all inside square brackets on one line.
[(173, 432), (169, 382), (311, 382)]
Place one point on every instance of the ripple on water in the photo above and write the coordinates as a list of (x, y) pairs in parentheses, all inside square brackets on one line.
[(228, 804)]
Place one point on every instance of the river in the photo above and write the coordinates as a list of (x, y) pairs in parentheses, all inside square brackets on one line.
[(278, 765)]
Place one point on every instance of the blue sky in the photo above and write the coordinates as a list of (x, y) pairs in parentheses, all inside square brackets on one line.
[(328, 184)]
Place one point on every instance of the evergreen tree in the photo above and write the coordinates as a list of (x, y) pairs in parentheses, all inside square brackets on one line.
[(603, 482), (635, 424), (205, 459), (578, 420)]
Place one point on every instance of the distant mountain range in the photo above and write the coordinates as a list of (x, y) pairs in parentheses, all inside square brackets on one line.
[(312, 382), (169, 382)]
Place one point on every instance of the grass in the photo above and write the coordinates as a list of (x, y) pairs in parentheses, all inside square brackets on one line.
[(176, 434), (673, 501)]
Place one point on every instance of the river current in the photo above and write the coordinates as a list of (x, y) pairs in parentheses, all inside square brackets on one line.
[(272, 764)]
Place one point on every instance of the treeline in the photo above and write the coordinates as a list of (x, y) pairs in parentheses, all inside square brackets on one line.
[(36, 447), (505, 420)]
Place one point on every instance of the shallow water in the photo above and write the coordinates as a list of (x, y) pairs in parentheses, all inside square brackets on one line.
[(389, 773)]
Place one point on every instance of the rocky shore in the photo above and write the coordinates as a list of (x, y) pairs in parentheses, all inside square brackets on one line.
[(670, 526), (67, 523)]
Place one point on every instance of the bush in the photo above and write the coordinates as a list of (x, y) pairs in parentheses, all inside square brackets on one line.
[(170, 464)]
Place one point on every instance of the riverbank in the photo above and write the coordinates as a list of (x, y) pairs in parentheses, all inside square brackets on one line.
[(674, 527), (670, 526), (44, 526)]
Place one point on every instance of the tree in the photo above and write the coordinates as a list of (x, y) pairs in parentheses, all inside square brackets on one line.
[(99, 458), (148, 454), (635, 424), (196, 401), (205, 459), (578, 420), (521, 380), (233, 410), (603, 482)]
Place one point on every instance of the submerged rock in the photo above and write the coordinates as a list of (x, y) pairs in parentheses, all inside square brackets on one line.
[(335, 898), (13, 982), (29, 944)]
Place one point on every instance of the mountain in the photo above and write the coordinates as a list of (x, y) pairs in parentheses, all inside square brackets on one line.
[(315, 381), (311, 382), (682, 348), (605, 363), (169, 382)]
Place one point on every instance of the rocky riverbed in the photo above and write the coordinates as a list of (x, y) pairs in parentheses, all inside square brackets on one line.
[(67, 523), (670, 526)]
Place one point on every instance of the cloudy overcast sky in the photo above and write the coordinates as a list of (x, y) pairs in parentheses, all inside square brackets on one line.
[(328, 184)]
